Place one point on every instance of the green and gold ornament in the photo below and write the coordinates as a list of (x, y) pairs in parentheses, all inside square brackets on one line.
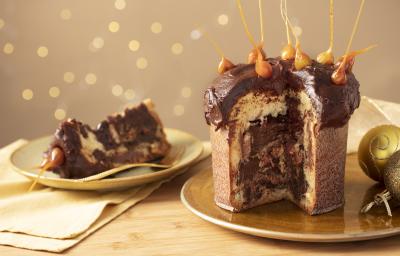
[(379, 158)]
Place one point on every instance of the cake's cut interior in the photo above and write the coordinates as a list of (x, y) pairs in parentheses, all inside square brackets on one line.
[(133, 136), (271, 149), (273, 155), (279, 138)]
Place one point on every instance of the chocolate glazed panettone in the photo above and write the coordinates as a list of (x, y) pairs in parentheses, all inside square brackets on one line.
[(282, 137)]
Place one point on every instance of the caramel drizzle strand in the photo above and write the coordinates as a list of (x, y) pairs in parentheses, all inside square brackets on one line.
[(339, 75)]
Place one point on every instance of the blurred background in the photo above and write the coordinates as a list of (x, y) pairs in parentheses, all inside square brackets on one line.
[(87, 59)]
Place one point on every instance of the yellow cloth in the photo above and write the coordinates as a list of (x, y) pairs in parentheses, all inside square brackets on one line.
[(54, 220)]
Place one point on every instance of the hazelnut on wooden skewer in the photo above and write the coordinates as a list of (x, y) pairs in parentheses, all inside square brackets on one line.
[(253, 55), (301, 59), (224, 64), (288, 52), (327, 56), (339, 76), (262, 66)]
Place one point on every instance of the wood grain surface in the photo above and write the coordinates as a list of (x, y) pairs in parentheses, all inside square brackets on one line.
[(161, 225)]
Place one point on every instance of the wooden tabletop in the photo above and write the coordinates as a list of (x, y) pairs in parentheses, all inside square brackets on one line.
[(161, 225)]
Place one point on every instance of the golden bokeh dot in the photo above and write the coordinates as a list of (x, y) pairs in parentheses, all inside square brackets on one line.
[(129, 94), (177, 48), (42, 51), (134, 45), (54, 92), (2, 23), (117, 90), (65, 14), (297, 30), (156, 27), (113, 26), (223, 19), (141, 63), (60, 114), (27, 94), (98, 42), (90, 78), (186, 92), (119, 4), (179, 110), (69, 77), (8, 48), (195, 34)]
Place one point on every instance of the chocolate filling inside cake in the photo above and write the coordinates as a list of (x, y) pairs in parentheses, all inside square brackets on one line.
[(273, 154)]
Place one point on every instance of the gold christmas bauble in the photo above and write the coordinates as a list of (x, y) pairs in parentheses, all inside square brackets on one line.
[(375, 149), (391, 175)]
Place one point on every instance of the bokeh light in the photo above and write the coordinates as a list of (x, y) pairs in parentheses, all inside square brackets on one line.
[(195, 34), (54, 92), (129, 94), (98, 42), (65, 14), (90, 78), (8, 48), (27, 94), (223, 19), (177, 48), (117, 90), (156, 27), (60, 114), (120, 4), (186, 92), (141, 63), (179, 110), (69, 77), (134, 45), (113, 26), (42, 51)]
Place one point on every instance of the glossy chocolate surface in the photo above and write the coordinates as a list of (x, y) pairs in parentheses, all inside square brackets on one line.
[(333, 103)]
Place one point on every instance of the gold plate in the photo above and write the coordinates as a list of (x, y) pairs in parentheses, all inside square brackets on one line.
[(30, 155), (283, 220)]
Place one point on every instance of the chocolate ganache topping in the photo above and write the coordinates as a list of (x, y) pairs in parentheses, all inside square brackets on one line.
[(334, 103)]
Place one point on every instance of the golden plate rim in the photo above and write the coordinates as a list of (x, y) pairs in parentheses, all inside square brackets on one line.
[(150, 177), (279, 235)]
